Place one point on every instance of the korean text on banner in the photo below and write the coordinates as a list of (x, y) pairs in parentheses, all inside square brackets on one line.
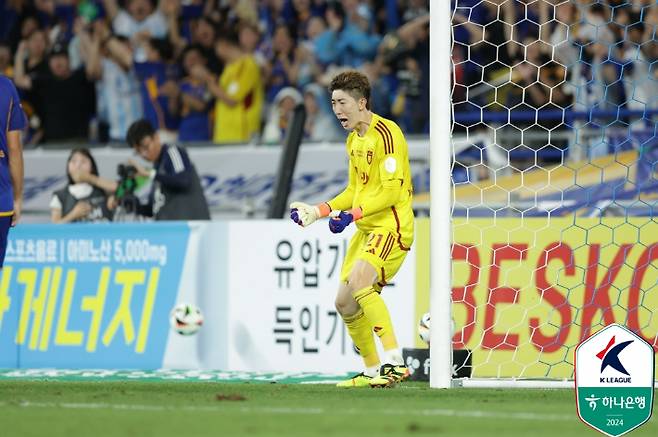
[(89, 296)]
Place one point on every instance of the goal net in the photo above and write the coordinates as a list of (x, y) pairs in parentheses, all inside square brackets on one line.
[(554, 184)]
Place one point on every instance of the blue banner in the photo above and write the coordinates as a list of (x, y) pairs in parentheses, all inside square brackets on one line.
[(89, 296)]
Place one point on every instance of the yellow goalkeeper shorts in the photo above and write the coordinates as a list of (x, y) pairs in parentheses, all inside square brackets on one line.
[(381, 248)]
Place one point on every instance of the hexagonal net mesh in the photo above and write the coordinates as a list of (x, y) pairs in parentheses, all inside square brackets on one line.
[(554, 175)]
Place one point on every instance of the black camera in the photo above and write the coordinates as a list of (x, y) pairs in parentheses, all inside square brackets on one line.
[(125, 193), (410, 81), (126, 171)]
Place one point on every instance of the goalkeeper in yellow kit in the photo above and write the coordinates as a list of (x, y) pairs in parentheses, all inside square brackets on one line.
[(378, 200)]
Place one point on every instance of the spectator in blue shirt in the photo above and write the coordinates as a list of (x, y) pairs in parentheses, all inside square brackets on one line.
[(194, 98), (347, 43), (158, 78)]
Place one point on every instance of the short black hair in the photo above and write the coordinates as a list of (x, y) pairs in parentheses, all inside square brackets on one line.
[(191, 48), (228, 35), (138, 131), (59, 49), (164, 48)]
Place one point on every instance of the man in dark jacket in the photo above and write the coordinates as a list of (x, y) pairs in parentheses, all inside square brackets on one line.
[(176, 192)]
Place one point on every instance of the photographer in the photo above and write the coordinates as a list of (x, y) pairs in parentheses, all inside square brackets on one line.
[(176, 192)]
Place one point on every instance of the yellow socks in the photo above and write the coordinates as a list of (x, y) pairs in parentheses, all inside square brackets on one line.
[(377, 314), (358, 327)]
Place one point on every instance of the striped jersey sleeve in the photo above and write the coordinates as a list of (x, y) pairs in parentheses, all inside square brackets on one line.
[(395, 154)]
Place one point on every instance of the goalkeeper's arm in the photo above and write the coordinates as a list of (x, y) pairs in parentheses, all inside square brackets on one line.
[(386, 198), (304, 214)]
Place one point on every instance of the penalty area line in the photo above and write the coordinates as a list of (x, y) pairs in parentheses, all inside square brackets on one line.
[(473, 414)]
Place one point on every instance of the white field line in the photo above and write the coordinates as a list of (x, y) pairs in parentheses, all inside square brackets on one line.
[(476, 414)]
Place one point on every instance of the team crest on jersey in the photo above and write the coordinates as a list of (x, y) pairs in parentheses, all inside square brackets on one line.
[(369, 156)]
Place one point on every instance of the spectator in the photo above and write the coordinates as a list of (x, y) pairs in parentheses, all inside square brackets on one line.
[(138, 22), (171, 10), (415, 9), (119, 102), (250, 41), (347, 43), (280, 115), (5, 60), (359, 43), (566, 53), (311, 69), (204, 33), (176, 192), (639, 66), (381, 91), (321, 124), (85, 197), (158, 78), (194, 98), (25, 24), (316, 27), (238, 93), (303, 14), (326, 43), (66, 97), (272, 12), (31, 53), (283, 69), (242, 10)]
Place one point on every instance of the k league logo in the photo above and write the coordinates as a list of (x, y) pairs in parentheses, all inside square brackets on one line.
[(610, 358), (614, 377)]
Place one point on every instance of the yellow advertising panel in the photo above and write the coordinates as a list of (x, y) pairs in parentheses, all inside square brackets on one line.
[(527, 291)]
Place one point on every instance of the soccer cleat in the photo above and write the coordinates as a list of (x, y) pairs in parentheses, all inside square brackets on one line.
[(389, 375), (357, 381)]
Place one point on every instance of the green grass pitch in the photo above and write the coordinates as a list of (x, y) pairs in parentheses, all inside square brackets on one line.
[(43, 408)]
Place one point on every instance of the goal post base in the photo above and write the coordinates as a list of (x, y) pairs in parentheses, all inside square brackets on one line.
[(511, 383)]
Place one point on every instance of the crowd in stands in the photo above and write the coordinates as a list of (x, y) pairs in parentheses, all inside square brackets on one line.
[(542, 57), (222, 71)]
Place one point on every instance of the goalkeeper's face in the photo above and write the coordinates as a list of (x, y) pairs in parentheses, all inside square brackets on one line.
[(348, 110)]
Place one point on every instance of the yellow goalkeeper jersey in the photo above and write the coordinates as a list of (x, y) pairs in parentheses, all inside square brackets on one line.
[(379, 180)]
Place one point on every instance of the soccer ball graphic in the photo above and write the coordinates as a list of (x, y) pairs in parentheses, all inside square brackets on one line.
[(424, 328), (186, 319)]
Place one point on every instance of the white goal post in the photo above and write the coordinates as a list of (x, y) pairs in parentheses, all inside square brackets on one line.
[(440, 189)]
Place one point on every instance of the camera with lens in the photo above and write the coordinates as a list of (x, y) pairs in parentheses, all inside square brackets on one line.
[(125, 192), (410, 82), (126, 171)]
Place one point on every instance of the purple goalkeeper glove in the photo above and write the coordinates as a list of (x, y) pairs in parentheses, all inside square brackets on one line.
[(294, 215), (340, 222)]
